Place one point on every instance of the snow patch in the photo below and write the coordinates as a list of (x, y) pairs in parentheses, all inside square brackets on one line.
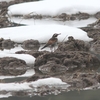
[(42, 33), (55, 7)]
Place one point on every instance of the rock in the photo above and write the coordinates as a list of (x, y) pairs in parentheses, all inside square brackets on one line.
[(94, 33), (32, 15), (95, 48), (95, 24), (51, 67), (83, 80), (8, 44), (32, 78), (1, 40), (97, 15), (31, 44), (73, 60), (64, 16), (80, 16), (12, 66), (3, 4), (73, 45)]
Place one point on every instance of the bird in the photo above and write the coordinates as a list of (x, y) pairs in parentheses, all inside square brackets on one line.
[(51, 42)]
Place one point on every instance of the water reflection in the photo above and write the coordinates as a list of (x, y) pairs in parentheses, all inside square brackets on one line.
[(72, 95)]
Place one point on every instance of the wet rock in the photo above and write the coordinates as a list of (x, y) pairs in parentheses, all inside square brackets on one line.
[(73, 45), (82, 82), (97, 15), (3, 12), (12, 66), (32, 78), (31, 44), (94, 33), (64, 16), (80, 16), (98, 78), (95, 24), (32, 15), (21, 52), (19, 93), (73, 60), (52, 68), (1, 40), (8, 44), (4, 22), (95, 48), (3, 4)]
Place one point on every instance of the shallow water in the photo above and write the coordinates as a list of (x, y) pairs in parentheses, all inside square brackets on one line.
[(72, 95), (49, 21)]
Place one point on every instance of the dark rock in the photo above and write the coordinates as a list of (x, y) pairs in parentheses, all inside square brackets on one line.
[(8, 44), (1, 40), (4, 4), (3, 12), (95, 48), (12, 66), (31, 44), (52, 68), (95, 24), (32, 78), (73, 45), (21, 52), (94, 33), (80, 16), (3, 21), (87, 82), (87, 29), (64, 16), (97, 15), (98, 78), (73, 60), (32, 15), (80, 82)]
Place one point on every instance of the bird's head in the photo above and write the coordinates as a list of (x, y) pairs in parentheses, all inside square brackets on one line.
[(55, 35), (70, 38)]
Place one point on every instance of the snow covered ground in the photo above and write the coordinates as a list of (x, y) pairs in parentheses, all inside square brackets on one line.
[(25, 86), (42, 33), (55, 7)]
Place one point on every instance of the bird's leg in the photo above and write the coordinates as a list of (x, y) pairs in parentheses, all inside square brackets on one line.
[(51, 49), (54, 48)]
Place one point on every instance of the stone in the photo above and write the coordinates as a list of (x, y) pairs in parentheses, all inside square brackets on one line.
[(73, 45), (31, 44), (8, 44), (12, 66)]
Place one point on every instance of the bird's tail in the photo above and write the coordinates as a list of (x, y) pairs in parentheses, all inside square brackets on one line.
[(43, 47)]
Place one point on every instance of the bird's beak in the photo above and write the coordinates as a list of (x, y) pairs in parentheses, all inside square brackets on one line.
[(59, 33)]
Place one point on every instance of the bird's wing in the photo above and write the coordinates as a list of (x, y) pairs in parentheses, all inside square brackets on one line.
[(52, 41)]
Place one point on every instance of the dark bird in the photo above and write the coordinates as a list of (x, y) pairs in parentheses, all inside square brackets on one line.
[(52, 41)]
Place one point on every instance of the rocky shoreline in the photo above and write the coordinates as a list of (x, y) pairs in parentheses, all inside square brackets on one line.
[(75, 62)]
